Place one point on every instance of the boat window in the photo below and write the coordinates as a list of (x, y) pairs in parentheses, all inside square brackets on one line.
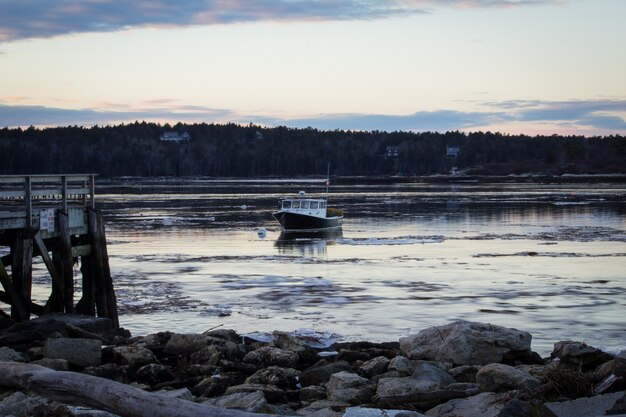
[(314, 204), (323, 204), (295, 204), (286, 204), (305, 204)]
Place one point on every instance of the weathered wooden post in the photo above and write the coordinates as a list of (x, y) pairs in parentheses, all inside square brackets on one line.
[(22, 271)]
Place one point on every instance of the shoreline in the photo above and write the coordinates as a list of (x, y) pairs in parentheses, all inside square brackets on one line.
[(438, 371)]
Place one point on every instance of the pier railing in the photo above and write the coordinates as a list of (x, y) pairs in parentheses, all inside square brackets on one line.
[(21, 195)]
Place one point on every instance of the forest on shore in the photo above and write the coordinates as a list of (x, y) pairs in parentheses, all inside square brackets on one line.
[(231, 150)]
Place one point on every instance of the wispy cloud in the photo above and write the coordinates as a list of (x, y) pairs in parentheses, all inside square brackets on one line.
[(43, 18), (595, 116)]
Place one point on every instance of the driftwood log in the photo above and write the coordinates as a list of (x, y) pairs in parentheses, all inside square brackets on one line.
[(102, 394)]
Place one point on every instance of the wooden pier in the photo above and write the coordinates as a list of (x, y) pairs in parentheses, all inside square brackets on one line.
[(54, 217)]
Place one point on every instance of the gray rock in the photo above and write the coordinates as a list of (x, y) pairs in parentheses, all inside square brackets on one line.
[(271, 393), (79, 352), (516, 408), (467, 343), (56, 364), (312, 393), (182, 394), (376, 412), (464, 386), (19, 404), (9, 355), (580, 356), (350, 388), (619, 365), (253, 402), (284, 378), (133, 356), (392, 387), (185, 344), (486, 404), (269, 355), (429, 371), (375, 366), (154, 373), (403, 365), (324, 408), (211, 386), (582, 407), (497, 377), (465, 373), (155, 342), (320, 374)]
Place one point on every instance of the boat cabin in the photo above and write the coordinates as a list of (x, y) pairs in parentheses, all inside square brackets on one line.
[(312, 207)]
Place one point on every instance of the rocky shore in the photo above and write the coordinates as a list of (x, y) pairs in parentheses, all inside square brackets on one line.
[(462, 369)]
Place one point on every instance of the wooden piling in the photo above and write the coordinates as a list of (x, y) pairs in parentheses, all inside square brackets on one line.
[(22, 271)]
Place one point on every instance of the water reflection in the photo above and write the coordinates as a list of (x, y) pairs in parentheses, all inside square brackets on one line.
[(307, 243)]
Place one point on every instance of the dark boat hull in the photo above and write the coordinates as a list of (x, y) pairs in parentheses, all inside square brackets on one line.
[(295, 222)]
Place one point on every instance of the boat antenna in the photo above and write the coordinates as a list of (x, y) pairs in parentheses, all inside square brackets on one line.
[(327, 180)]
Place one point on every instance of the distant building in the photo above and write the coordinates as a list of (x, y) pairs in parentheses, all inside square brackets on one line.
[(392, 151), (258, 135), (175, 137), (453, 151)]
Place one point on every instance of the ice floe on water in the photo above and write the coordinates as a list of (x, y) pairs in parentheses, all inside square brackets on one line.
[(308, 337), (391, 241)]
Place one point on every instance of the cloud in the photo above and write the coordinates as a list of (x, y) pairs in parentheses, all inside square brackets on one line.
[(25, 19), (590, 116)]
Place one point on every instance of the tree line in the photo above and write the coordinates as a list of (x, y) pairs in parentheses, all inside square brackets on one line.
[(231, 150)]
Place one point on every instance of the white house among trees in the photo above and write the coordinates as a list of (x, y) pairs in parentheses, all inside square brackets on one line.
[(175, 136)]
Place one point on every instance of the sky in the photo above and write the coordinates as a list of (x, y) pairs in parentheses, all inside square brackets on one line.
[(512, 66)]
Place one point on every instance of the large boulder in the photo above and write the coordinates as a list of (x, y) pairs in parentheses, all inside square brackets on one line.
[(9, 355), (133, 356), (398, 387), (284, 378), (269, 355), (497, 377), (467, 343), (185, 344), (375, 366), (321, 373)]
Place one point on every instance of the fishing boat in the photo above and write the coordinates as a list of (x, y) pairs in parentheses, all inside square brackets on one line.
[(302, 214)]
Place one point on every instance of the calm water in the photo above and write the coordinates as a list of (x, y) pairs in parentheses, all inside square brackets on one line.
[(549, 259)]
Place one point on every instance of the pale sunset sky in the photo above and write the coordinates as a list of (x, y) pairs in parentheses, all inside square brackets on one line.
[(513, 66)]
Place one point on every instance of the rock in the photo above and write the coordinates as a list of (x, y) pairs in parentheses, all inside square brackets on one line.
[(619, 365), (271, 393), (56, 364), (79, 352), (348, 387), (269, 355), (319, 374), (9, 355), (182, 394), (154, 373), (312, 393), (225, 334), (133, 356), (210, 387), (429, 371), (403, 365), (619, 407), (375, 366), (486, 404), (376, 412), (155, 342), (209, 355), (516, 408), (467, 343), (284, 378), (324, 408), (465, 373), (181, 344), (393, 387), (110, 371), (582, 407), (497, 377), (253, 402), (19, 404), (580, 356)]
